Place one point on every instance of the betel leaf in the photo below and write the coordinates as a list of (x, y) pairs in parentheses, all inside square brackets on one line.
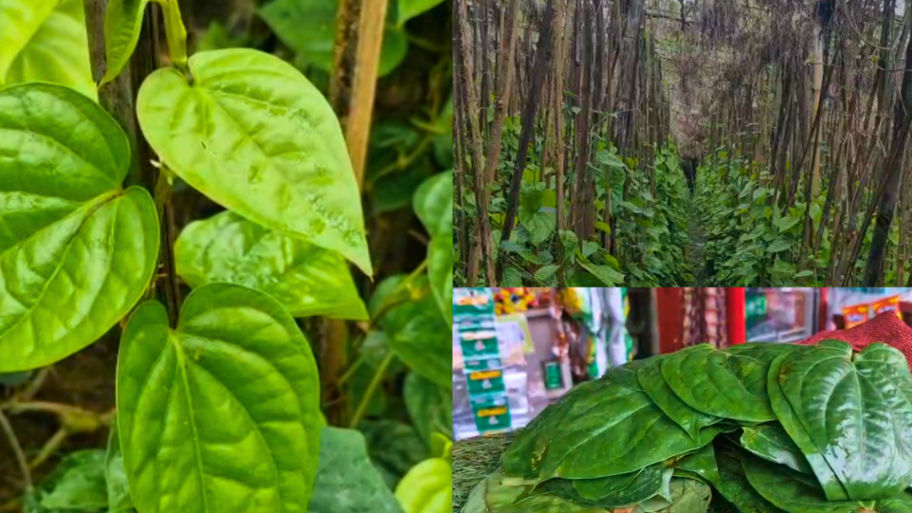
[(220, 414), (45, 41), (305, 278), (611, 491), (346, 479), (118, 487), (252, 133), (408, 9), (308, 27), (427, 488), (76, 484), (649, 376), (600, 428), (429, 405), (735, 488), (122, 25), (76, 251), (499, 494), (416, 331), (853, 410), (684, 496), (729, 384), (772, 443), (794, 492), (433, 204)]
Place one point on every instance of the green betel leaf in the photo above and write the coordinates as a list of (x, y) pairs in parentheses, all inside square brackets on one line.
[(440, 273), (45, 41), (729, 384), (417, 333), (122, 25), (408, 9), (252, 133), (649, 376), (850, 410), (735, 488), (221, 414), (772, 443), (600, 428), (76, 484), (433, 204), (427, 488), (346, 479), (76, 251), (305, 278), (794, 492), (609, 492), (118, 488), (429, 405)]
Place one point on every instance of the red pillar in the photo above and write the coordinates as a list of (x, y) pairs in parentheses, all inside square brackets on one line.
[(736, 316)]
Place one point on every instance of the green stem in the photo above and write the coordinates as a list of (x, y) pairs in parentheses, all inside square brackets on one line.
[(17, 450), (371, 388)]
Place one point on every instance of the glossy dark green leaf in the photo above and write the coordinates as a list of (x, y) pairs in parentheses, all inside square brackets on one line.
[(699, 465), (45, 41), (684, 496), (429, 405), (728, 384), (853, 410), (772, 443), (252, 133), (649, 376), (76, 251), (346, 479), (427, 488), (307, 279), (612, 491), (735, 488), (308, 27), (600, 428), (76, 484), (220, 414), (418, 334), (794, 492)]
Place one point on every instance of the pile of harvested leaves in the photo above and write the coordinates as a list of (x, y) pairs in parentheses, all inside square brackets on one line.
[(769, 428)]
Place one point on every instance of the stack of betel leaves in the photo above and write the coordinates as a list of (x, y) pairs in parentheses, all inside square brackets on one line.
[(756, 428)]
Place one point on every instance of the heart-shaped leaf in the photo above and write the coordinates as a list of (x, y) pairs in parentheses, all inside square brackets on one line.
[(45, 41), (76, 251), (305, 278), (729, 384), (850, 410), (220, 414), (252, 133), (347, 480), (601, 428)]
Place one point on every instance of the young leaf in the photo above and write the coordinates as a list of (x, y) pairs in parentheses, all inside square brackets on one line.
[(252, 133), (220, 414), (346, 479), (45, 41), (427, 488), (122, 25), (76, 251), (305, 278)]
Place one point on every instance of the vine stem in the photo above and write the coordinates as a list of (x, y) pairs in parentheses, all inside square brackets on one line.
[(17, 450), (371, 388)]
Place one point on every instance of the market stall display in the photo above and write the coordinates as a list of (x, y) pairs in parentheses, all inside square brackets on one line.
[(756, 428)]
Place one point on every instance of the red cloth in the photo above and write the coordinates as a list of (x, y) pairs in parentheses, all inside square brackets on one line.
[(886, 327)]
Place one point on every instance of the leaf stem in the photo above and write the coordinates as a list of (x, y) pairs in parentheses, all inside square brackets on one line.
[(371, 388), (17, 450)]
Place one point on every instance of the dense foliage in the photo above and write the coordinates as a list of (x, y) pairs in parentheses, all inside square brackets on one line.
[(769, 428), (211, 225)]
